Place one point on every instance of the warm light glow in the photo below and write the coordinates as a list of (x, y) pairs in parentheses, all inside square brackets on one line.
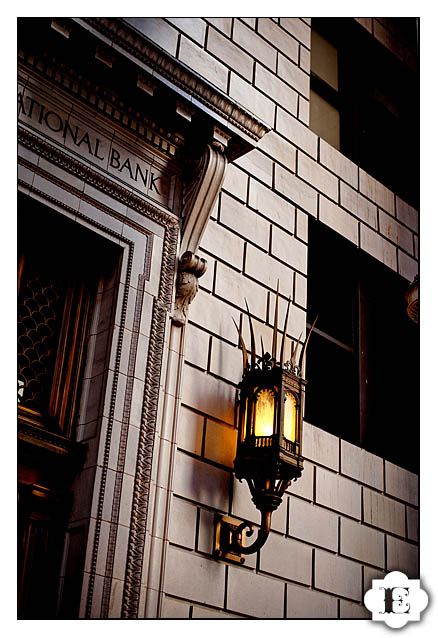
[(264, 413), (245, 420), (290, 417)]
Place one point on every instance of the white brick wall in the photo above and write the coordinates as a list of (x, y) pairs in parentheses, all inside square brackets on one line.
[(351, 515)]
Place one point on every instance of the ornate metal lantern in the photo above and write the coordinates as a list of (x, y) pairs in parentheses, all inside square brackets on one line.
[(268, 453)]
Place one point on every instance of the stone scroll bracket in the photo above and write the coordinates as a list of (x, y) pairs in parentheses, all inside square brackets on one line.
[(200, 195)]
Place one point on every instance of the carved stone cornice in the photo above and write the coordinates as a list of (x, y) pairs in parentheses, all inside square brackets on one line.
[(164, 65)]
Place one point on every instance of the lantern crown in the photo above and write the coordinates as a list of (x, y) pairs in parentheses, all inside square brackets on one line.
[(267, 361)]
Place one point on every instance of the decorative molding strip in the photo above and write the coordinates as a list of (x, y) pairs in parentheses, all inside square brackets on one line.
[(160, 62), (161, 307), (81, 170), (110, 105)]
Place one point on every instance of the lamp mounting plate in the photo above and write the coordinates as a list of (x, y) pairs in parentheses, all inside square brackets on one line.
[(224, 530)]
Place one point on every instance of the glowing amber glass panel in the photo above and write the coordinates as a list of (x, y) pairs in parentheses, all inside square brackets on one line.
[(290, 417), (264, 413)]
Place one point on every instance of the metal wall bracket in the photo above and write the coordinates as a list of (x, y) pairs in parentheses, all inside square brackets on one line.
[(225, 528)]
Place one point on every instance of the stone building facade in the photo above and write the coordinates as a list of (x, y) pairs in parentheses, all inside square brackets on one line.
[(169, 169)]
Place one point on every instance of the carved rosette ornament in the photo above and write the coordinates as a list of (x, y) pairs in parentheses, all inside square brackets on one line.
[(190, 268)]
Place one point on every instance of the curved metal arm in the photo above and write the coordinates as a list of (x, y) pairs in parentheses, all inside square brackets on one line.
[(263, 533)]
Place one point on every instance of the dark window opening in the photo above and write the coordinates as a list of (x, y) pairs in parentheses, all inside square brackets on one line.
[(363, 358), (365, 102)]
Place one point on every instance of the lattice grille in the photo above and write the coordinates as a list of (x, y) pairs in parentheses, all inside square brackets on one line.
[(39, 315)]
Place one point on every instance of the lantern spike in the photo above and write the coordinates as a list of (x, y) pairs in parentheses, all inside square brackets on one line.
[(242, 345), (263, 347), (295, 350), (303, 351), (274, 336), (283, 341), (251, 329)]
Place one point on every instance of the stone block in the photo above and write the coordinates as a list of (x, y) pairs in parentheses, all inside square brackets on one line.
[(257, 165), (361, 465), (174, 609), (193, 27), (182, 523), (339, 220), (406, 214), (338, 493), (278, 90), (287, 558), (209, 584), (223, 244), (292, 129), (317, 176), (401, 483), (293, 75), (332, 159), (378, 247), (300, 290), (289, 249), (358, 205), (253, 594), (401, 556), (236, 182), (300, 193), (214, 315), (376, 192), (248, 96), (313, 524), (190, 431), (201, 482), (229, 54), (412, 523), (301, 228), (254, 44), (306, 603), (278, 37), (279, 148), (370, 574), (304, 110), (407, 267), (299, 29), (197, 345), (250, 22), (353, 611), (235, 288), (396, 232), (223, 24), (226, 361), (157, 30), (244, 222), (362, 543), (338, 575), (203, 63), (320, 446), (220, 443), (383, 512), (207, 613), (209, 395), (268, 271), (271, 205), (304, 485)]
